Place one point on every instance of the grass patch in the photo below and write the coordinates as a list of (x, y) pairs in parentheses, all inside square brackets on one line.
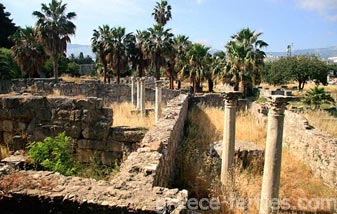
[(322, 120), (123, 115)]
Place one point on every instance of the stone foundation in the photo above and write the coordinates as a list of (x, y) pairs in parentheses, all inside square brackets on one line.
[(86, 121), (139, 187)]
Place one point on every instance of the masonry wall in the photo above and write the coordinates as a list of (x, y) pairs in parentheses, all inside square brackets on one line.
[(141, 186), (87, 88), (316, 148), (86, 121)]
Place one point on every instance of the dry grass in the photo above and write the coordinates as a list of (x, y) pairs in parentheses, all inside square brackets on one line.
[(3, 151), (122, 115), (322, 120), (205, 126)]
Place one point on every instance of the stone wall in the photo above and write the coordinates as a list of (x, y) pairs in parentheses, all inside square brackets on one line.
[(86, 88), (316, 148), (139, 187), (217, 100), (86, 121)]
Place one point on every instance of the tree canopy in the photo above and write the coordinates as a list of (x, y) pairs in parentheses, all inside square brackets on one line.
[(7, 28)]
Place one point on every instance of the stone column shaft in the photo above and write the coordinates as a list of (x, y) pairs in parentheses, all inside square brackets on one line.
[(228, 142), (133, 91), (138, 93), (158, 101), (273, 155), (142, 96)]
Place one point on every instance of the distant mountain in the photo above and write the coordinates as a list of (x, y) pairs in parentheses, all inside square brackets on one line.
[(77, 49), (323, 53)]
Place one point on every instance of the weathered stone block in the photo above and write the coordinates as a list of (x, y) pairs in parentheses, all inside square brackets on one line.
[(10, 102), (75, 115), (114, 146), (8, 125), (43, 114), (63, 115), (99, 131), (127, 134), (73, 130), (86, 155), (109, 158), (91, 144), (35, 102), (7, 138)]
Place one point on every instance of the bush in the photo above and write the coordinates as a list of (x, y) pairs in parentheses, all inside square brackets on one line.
[(54, 154)]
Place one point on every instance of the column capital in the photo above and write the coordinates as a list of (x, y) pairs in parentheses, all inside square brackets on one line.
[(142, 79), (277, 104), (132, 78), (158, 83), (231, 97)]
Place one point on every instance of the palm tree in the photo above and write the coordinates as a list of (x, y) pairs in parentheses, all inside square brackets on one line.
[(55, 28), (117, 47), (138, 55), (217, 68), (198, 61), (181, 44), (162, 12), (158, 45), (99, 42), (244, 56), (27, 51), (318, 96)]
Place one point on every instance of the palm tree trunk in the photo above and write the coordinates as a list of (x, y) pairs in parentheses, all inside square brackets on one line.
[(242, 87), (56, 67), (210, 85), (105, 72), (157, 71)]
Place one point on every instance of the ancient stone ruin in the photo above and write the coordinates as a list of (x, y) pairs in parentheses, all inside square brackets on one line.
[(146, 181)]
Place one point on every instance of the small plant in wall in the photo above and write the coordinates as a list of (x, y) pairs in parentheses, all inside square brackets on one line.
[(53, 153)]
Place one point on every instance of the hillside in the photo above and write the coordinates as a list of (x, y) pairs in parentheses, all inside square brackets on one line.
[(322, 52)]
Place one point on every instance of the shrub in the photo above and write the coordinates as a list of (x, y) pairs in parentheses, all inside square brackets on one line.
[(54, 154)]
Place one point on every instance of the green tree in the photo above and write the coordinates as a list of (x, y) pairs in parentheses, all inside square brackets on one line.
[(118, 48), (181, 44), (244, 56), (55, 28), (8, 67), (7, 28), (162, 12), (217, 68), (138, 55), (317, 96), (300, 68), (99, 44), (157, 47), (198, 62), (28, 51)]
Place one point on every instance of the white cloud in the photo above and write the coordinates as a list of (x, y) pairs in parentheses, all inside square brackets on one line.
[(199, 1), (326, 8)]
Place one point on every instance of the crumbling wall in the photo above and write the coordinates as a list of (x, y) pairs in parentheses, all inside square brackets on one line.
[(139, 187), (86, 121), (316, 148), (86, 88)]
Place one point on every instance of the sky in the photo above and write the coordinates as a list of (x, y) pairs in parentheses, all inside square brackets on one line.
[(301, 23)]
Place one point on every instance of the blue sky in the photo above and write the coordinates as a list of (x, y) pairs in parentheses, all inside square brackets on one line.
[(304, 23)]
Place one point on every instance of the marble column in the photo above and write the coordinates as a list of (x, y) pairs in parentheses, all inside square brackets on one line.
[(133, 91), (142, 96), (273, 155), (158, 101), (138, 93), (228, 142)]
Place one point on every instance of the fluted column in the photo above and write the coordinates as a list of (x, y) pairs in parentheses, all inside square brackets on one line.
[(273, 155), (158, 101), (228, 142)]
